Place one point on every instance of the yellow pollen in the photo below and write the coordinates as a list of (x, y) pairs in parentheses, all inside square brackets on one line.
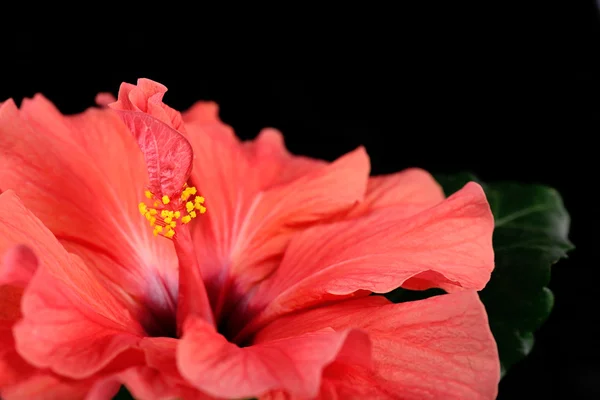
[(143, 208), (163, 219), (169, 234)]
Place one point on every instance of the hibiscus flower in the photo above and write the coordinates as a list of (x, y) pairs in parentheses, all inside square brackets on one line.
[(154, 249)]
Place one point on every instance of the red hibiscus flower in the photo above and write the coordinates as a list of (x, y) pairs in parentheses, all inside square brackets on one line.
[(204, 267)]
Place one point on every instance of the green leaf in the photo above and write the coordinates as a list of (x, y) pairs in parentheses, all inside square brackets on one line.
[(531, 234)]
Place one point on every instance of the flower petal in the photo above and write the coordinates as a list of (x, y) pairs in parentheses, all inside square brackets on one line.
[(441, 347), (70, 322), (410, 192), (379, 253), (64, 171), (294, 364), (158, 131), (17, 268), (19, 264), (147, 97), (51, 387), (258, 195)]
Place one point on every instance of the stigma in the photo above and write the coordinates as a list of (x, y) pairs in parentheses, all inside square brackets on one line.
[(166, 214)]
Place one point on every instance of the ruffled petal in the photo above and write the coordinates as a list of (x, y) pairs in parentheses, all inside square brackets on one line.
[(258, 195), (438, 348), (295, 364), (451, 241), (70, 323), (51, 387), (409, 192), (17, 268), (64, 170)]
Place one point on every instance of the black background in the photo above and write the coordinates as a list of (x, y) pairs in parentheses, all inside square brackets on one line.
[(513, 97)]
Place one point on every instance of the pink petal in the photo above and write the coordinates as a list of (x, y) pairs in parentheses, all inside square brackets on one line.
[(258, 195), (51, 387), (379, 253), (64, 171), (439, 348), (12, 366), (104, 99), (18, 266), (158, 131), (159, 378), (410, 192), (70, 322), (222, 369), (147, 97), (148, 383), (167, 153)]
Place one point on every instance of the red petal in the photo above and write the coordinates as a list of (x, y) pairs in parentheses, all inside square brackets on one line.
[(257, 196), (19, 264), (104, 99), (294, 364), (51, 387), (158, 131), (379, 253), (147, 97), (64, 170), (71, 323), (167, 153), (439, 348), (410, 192)]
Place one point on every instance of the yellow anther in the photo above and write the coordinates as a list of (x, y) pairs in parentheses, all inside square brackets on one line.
[(143, 208), (164, 221), (189, 206)]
